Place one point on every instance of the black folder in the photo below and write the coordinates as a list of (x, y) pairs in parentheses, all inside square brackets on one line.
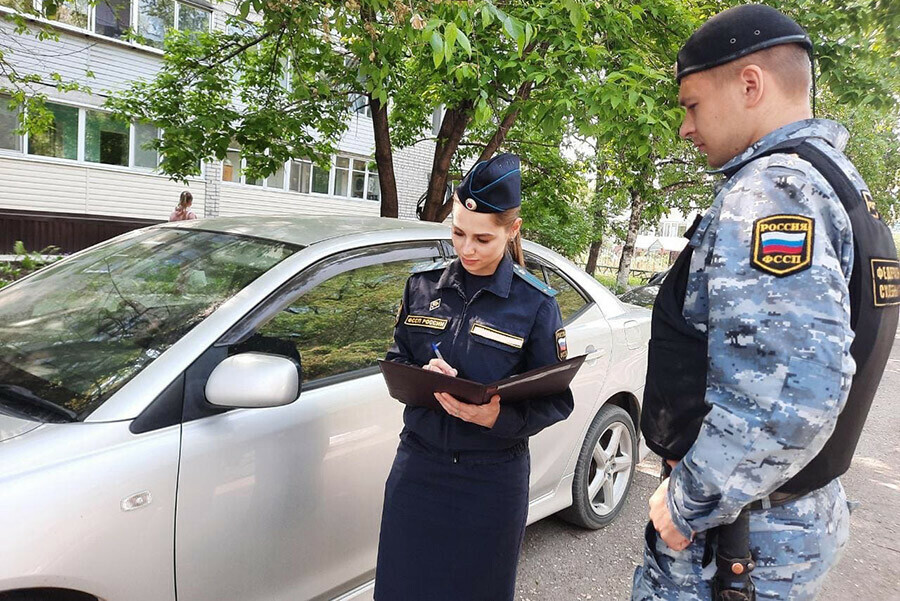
[(416, 386)]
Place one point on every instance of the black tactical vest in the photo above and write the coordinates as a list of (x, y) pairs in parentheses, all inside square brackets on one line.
[(674, 396)]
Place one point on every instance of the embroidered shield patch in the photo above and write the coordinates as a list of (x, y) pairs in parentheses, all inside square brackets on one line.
[(885, 282), (562, 349), (782, 244)]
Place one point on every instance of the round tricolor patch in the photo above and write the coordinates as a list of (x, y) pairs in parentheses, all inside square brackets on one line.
[(782, 244)]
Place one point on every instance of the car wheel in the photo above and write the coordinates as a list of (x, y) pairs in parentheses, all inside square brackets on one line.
[(604, 471)]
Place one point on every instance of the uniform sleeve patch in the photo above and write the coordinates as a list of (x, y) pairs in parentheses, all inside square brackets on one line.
[(870, 204), (424, 321), (562, 349), (886, 282), (782, 244)]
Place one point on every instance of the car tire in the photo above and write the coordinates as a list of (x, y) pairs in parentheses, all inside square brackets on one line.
[(604, 471)]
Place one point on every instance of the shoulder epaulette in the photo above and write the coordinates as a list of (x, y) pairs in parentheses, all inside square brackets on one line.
[(534, 281), (429, 266)]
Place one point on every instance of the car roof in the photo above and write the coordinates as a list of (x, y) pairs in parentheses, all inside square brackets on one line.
[(310, 229)]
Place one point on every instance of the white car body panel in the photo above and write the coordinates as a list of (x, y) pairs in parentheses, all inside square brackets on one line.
[(273, 503)]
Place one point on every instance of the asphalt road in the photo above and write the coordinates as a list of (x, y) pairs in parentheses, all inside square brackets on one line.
[(563, 563)]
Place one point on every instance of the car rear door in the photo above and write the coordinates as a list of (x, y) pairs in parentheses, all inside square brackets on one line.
[(587, 333), (285, 502)]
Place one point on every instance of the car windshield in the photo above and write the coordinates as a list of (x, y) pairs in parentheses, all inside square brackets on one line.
[(74, 333)]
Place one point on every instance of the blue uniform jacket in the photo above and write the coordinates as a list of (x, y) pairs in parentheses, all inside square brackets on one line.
[(510, 326), (779, 344)]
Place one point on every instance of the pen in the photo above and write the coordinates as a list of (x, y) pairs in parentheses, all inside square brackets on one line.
[(437, 352)]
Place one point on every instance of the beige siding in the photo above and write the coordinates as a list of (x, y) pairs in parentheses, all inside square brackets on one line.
[(236, 199), (359, 138), (114, 64), (37, 185)]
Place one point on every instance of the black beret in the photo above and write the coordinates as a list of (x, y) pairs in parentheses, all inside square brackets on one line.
[(737, 32), (492, 186)]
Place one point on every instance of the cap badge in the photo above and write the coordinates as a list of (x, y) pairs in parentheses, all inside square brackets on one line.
[(471, 204)]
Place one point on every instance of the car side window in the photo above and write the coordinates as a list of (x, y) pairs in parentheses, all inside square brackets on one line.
[(535, 268), (570, 299), (343, 324)]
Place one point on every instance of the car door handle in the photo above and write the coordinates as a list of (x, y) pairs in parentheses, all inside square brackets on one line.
[(592, 353)]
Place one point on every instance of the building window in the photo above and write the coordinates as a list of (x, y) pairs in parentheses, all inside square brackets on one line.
[(231, 166), (320, 179), (359, 104), (71, 12), (60, 139), (9, 122), (358, 179), (301, 173), (105, 139), (373, 188), (145, 156), (154, 18), (276, 180), (341, 176), (112, 17), (192, 18)]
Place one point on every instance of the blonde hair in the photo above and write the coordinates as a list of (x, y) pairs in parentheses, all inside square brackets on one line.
[(514, 247), (185, 199)]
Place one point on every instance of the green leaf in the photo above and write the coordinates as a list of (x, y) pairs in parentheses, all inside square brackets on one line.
[(464, 42), (486, 16), (244, 9), (450, 33), (437, 48), (576, 15)]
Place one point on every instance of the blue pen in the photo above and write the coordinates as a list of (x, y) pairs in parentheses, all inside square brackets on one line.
[(437, 352)]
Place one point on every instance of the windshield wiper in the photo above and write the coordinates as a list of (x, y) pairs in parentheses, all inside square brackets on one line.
[(26, 397)]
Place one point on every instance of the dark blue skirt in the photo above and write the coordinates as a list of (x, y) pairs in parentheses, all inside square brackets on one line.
[(453, 524)]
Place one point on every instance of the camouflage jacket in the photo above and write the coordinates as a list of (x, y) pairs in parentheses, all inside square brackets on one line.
[(769, 284)]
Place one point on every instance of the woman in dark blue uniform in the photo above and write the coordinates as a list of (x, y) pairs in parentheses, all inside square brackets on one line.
[(456, 500)]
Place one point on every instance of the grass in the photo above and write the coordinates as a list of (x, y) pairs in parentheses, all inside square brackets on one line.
[(610, 282)]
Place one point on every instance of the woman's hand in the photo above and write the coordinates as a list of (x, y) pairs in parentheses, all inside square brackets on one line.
[(441, 366), (484, 415)]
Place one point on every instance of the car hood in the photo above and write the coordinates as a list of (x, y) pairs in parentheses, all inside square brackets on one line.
[(10, 426)]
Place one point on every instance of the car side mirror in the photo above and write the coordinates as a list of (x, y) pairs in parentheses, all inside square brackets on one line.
[(254, 380)]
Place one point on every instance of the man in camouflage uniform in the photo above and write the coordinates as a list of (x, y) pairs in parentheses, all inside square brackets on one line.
[(767, 287)]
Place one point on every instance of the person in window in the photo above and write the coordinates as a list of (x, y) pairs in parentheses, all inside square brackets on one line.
[(183, 210), (456, 500)]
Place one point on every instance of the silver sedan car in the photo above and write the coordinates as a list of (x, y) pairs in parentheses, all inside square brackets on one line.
[(194, 411)]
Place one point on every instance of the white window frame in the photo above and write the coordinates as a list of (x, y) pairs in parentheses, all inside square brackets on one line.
[(332, 171), (81, 139), (132, 21)]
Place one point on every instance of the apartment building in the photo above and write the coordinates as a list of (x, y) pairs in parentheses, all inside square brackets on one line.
[(88, 177)]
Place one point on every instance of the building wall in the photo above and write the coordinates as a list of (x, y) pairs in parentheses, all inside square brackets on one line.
[(59, 186), (63, 186), (412, 169)]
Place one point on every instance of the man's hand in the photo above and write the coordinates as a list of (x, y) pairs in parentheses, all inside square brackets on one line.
[(662, 519), (484, 415)]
